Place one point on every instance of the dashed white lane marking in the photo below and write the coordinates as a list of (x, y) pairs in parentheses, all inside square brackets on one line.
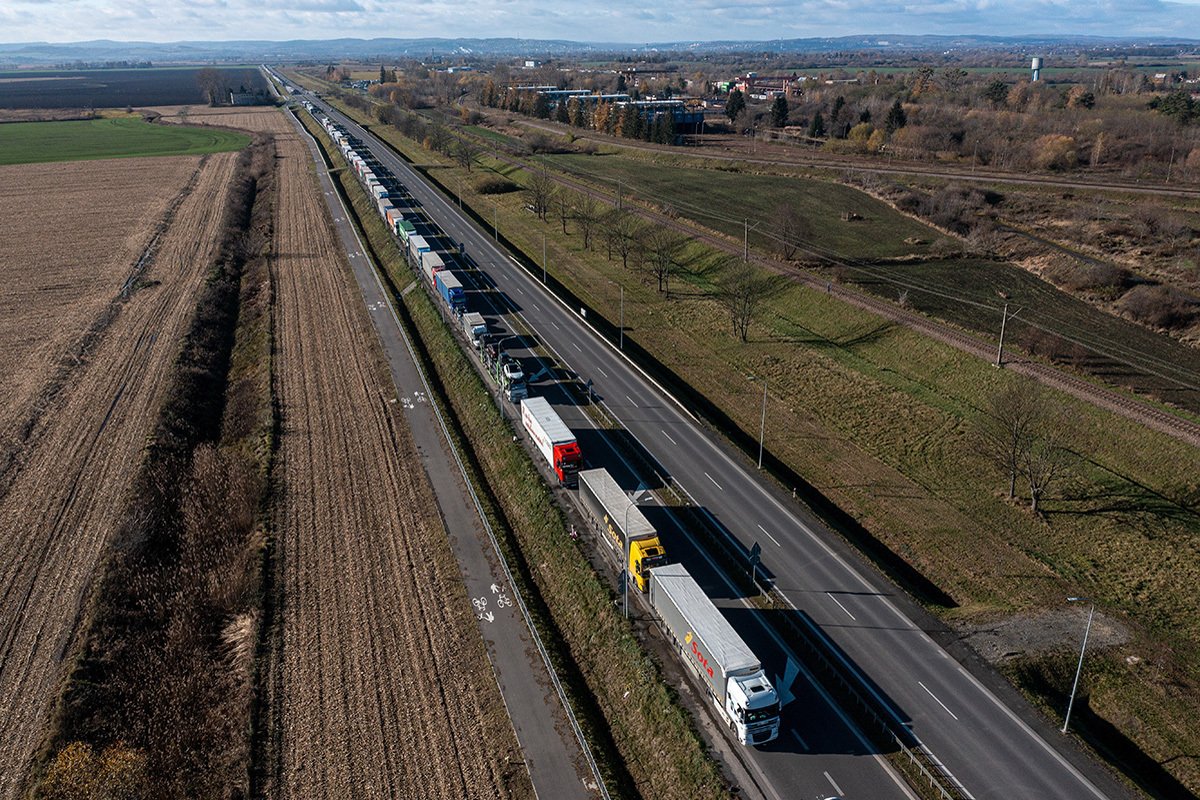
[(843, 608), (833, 783), (935, 697), (672, 441), (803, 743), (769, 536), (710, 477)]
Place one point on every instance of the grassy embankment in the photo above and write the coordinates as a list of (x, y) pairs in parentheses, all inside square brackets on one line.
[(871, 252), (160, 700), (877, 421), (119, 137), (642, 738)]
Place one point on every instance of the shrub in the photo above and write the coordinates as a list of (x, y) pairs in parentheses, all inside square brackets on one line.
[(1159, 306), (494, 184)]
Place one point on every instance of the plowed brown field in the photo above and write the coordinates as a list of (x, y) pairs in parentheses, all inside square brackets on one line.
[(63, 497), (381, 685), (72, 232)]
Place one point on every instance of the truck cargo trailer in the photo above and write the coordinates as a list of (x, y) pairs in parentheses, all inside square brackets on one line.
[(729, 670), (451, 290), (628, 531), (552, 438)]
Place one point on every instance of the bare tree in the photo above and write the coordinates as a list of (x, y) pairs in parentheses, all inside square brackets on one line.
[(587, 215), (564, 211), (1048, 454), (465, 152), (663, 250), (742, 290), (792, 228), (1006, 429), (212, 83), (541, 192), (620, 231)]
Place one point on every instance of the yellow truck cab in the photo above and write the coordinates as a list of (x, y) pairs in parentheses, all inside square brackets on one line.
[(627, 530)]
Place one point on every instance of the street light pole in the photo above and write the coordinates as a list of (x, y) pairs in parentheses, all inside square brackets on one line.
[(496, 220), (1078, 669), (622, 287), (762, 428), (543, 258), (625, 550)]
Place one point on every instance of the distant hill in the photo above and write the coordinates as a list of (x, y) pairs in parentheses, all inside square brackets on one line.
[(102, 50)]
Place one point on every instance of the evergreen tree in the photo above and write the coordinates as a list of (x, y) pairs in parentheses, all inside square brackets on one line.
[(560, 112), (779, 112), (816, 128), (836, 113), (631, 123), (735, 105), (382, 74), (541, 106), (578, 117), (896, 118)]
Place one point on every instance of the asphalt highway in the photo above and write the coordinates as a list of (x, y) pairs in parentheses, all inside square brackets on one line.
[(990, 749)]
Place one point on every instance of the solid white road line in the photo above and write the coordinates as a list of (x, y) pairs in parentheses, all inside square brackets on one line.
[(934, 696)]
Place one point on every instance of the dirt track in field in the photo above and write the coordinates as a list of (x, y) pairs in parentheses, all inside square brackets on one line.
[(72, 233), (380, 685), (63, 497)]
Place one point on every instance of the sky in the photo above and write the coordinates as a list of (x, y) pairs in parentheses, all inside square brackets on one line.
[(627, 21)]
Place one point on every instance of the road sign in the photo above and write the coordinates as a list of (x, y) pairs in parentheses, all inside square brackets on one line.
[(755, 554)]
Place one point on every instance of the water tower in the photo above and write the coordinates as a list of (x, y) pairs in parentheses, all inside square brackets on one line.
[(1036, 66)]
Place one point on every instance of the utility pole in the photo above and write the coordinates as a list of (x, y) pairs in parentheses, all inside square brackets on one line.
[(543, 258), (746, 240), (974, 156), (496, 220), (1170, 163), (619, 204), (762, 427), (1004, 318)]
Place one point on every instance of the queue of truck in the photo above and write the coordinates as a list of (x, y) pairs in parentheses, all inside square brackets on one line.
[(732, 676)]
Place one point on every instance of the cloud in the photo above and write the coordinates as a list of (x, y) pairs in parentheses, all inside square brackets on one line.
[(597, 20)]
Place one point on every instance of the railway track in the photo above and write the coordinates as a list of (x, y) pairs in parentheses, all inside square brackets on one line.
[(1132, 408)]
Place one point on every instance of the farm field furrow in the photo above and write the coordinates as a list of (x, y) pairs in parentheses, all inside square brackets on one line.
[(381, 685), (64, 504), (66, 258)]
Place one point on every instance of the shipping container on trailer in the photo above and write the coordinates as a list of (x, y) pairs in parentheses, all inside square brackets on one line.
[(405, 230), (431, 265), (416, 246), (451, 290)]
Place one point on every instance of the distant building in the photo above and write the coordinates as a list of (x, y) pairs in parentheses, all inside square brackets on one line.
[(531, 64), (767, 87)]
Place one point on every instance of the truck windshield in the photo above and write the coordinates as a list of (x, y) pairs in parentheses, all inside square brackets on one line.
[(762, 714), (650, 562)]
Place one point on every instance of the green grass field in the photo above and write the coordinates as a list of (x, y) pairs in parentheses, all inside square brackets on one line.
[(724, 200), (85, 140)]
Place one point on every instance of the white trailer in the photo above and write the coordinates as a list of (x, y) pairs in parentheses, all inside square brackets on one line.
[(730, 672)]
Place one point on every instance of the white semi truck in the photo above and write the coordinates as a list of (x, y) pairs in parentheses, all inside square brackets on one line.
[(730, 672)]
